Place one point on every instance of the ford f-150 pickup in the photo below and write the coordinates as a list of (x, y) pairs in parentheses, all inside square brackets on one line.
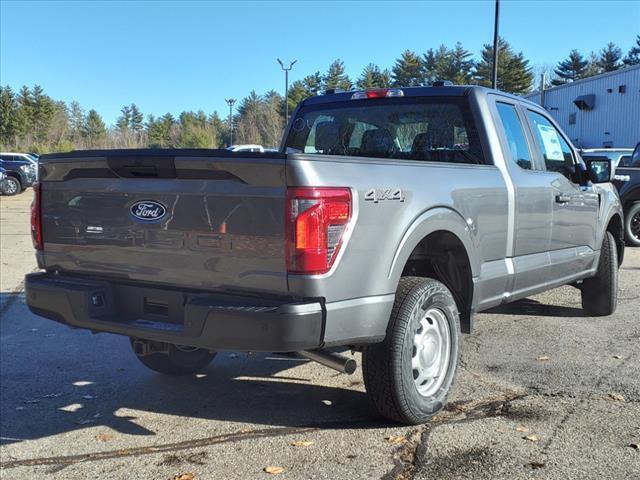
[(388, 218)]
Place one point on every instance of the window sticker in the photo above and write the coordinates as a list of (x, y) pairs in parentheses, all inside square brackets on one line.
[(551, 142)]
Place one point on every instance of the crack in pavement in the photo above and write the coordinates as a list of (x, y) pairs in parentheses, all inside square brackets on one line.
[(188, 444)]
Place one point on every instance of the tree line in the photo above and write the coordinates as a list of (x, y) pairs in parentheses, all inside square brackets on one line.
[(30, 120)]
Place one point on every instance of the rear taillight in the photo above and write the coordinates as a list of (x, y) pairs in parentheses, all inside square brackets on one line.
[(316, 221), (36, 217)]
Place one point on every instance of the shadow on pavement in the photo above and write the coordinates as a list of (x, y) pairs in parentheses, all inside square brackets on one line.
[(55, 380), (528, 306)]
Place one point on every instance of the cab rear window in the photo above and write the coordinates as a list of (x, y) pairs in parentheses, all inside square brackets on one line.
[(439, 129)]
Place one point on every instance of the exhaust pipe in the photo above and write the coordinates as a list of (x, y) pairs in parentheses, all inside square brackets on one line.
[(332, 360)]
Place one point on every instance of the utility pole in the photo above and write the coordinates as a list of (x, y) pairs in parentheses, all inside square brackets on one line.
[(230, 101), (496, 46), (286, 87), (542, 88)]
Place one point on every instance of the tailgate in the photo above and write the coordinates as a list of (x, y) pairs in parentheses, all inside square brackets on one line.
[(209, 220)]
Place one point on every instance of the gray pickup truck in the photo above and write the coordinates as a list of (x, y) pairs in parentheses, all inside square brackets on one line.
[(387, 219)]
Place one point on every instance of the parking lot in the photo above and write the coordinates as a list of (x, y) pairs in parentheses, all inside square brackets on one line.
[(543, 392)]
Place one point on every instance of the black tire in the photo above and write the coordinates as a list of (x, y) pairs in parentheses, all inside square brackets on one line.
[(387, 366), (176, 360), (600, 293), (632, 225), (11, 186)]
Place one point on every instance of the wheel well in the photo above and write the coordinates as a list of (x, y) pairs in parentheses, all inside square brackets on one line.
[(14, 175), (441, 255), (616, 229)]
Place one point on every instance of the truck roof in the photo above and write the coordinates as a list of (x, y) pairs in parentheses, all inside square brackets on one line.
[(430, 91)]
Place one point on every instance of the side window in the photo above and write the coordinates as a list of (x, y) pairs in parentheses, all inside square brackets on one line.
[(518, 146), (555, 150), (625, 161)]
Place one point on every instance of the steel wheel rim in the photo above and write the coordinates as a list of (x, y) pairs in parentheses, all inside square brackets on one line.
[(431, 351), (635, 226)]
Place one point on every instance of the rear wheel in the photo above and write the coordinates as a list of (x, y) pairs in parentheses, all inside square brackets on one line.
[(11, 186), (409, 375), (632, 225), (171, 359), (600, 293)]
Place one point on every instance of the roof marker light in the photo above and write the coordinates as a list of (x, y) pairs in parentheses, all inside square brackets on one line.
[(378, 93)]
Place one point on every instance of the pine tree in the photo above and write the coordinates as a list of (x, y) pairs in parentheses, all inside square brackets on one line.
[(408, 71), (43, 111), (633, 57), (436, 64), (571, 69), (514, 73), (76, 120), (336, 77), (372, 77), (123, 122), (24, 113), (135, 119), (95, 130), (593, 66), (460, 65), (8, 121), (313, 83), (610, 57)]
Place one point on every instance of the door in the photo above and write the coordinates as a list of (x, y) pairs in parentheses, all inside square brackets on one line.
[(575, 206), (533, 209)]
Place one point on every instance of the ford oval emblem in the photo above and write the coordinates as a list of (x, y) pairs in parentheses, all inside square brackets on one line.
[(148, 210)]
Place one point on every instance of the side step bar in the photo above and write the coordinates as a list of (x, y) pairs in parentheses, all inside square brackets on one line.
[(330, 359)]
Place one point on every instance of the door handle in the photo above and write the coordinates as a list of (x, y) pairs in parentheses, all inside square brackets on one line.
[(563, 199)]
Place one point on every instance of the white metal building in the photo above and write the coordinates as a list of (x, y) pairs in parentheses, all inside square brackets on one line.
[(599, 111)]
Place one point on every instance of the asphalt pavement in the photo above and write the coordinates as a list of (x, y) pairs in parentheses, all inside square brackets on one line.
[(543, 392)]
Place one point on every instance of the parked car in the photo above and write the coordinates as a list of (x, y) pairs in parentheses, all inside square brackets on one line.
[(386, 221), (617, 155), (3, 175), (21, 171), (628, 182)]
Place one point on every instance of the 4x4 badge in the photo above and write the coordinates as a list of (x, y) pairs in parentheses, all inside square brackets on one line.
[(376, 195)]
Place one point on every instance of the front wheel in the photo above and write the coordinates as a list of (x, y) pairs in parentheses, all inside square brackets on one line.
[(632, 225), (600, 293), (409, 375), (171, 359)]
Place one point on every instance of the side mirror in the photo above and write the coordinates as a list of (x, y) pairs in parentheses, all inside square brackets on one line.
[(599, 170)]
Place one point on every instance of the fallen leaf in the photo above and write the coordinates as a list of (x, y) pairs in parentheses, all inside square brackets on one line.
[(301, 443), (274, 470), (543, 358), (244, 430), (635, 446), (104, 437), (522, 429), (617, 357), (396, 439), (184, 476), (532, 438), (617, 397), (536, 465)]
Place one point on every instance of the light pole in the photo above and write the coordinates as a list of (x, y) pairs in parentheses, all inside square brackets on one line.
[(496, 46), (230, 101), (286, 87)]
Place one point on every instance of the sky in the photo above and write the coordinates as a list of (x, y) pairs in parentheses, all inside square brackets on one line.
[(168, 56)]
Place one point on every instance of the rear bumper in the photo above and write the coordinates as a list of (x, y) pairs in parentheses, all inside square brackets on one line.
[(216, 322)]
